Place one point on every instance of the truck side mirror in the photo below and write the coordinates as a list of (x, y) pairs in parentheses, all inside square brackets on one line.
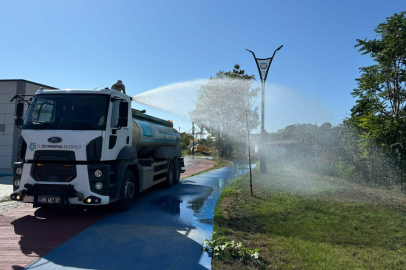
[(20, 110), (123, 109), (19, 122), (123, 122), (123, 114)]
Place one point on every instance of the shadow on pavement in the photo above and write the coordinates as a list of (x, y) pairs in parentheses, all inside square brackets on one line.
[(49, 228)]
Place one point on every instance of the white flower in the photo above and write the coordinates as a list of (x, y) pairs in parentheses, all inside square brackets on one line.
[(255, 255)]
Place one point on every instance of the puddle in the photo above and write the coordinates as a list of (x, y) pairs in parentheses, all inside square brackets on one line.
[(168, 204), (195, 200)]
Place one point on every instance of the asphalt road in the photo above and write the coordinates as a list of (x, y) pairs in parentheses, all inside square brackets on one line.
[(164, 229)]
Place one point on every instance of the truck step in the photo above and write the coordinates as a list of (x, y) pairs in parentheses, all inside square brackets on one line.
[(160, 163), (158, 181), (159, 172), (112, 185)]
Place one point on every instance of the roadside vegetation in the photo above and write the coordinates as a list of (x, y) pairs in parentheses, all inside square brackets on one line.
[(303, 220), (333, 196), (198, 154)]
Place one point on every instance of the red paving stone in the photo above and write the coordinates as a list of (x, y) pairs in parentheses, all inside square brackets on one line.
[(29, 233), (196, 166)]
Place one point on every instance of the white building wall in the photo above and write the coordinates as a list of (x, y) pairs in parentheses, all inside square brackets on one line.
[(31, 88), (10, 137), (7, 91)]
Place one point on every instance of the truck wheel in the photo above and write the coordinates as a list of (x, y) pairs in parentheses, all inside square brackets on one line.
[(177, 172), (127, 193), (170, 175)]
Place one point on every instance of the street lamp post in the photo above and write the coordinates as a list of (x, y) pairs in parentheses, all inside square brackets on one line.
[(193, 138), (263, 68)]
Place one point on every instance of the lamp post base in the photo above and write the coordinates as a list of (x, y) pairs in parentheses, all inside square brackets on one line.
[(262, 152)]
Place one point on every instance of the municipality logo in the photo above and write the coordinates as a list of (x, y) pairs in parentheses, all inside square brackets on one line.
[(32, 146)]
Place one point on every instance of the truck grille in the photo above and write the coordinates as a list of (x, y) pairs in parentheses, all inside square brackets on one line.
[(54, 172), (49, 188)]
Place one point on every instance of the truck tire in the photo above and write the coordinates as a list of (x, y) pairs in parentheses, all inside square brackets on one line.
[(127, 193), (177, 172), (170, 175)]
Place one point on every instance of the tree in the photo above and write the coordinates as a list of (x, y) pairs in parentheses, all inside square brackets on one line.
[(380, 110), (221, 109), (185, 139)]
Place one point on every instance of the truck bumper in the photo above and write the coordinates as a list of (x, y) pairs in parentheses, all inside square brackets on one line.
[(75, 192)]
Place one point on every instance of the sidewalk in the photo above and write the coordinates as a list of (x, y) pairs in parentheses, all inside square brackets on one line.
[(193, 166), (6, 186)]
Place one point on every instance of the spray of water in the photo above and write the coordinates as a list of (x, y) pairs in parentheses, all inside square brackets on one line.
[(283, 105), (178, 98), (230, 98), (313, 147)]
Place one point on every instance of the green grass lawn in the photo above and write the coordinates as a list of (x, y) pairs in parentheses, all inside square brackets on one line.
[(301, 220)]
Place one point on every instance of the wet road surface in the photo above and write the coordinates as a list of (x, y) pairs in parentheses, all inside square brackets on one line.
[(164, 229), (27, 234)]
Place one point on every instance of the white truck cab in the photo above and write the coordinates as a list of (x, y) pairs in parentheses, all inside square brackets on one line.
[(87, 147)]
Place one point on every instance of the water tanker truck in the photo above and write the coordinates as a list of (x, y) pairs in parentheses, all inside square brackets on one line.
[(85, 147)]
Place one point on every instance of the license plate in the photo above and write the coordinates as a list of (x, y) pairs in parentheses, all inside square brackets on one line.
[(49, 200)]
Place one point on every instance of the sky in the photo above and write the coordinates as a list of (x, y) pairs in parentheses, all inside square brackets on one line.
[(150, 44)]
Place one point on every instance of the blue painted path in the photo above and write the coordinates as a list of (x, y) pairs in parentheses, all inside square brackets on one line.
[(164, 229)]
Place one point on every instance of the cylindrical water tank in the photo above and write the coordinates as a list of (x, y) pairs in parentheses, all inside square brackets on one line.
[(149, 136)]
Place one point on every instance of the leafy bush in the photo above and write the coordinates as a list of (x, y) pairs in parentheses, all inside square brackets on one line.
[(345, 170)]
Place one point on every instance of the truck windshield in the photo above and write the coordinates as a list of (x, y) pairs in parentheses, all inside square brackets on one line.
[(73, 112)]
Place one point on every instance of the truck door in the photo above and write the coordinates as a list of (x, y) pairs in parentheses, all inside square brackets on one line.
[(117, 134)]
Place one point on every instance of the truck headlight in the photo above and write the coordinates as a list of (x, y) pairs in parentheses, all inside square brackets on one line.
[(98, 186), (17, 182), (19, 170), (98, 173)]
